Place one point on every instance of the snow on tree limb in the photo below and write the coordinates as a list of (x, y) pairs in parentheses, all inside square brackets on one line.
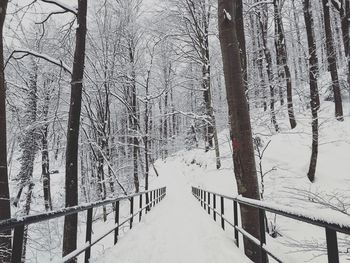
[(26, 52)]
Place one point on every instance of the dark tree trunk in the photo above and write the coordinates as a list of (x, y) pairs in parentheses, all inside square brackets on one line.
[(160, 141), (260, 64), (344, 11), (134, 117), (241, 134), (332, 62), (166, 119), (26, 212), (263, 31), (282, 60), (314, 96), (301, 57), (45, 161), (212, 136), (5, 208), (147, 144), (71, 221), (241, 40)]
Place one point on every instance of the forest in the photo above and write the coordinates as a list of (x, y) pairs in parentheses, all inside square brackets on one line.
[(101, 99)]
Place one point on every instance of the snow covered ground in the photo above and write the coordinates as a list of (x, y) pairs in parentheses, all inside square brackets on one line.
[(176, 230), (179, 230)]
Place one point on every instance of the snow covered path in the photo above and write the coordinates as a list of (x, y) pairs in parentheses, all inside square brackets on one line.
[(177, 230)]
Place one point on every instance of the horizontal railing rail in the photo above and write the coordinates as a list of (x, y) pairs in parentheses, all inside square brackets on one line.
[(152, 197), (208, 201)]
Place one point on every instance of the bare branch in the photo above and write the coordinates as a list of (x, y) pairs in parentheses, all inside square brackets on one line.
[(25, 53)]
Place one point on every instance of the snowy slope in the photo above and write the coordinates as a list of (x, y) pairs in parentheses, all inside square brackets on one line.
[(287, 158)]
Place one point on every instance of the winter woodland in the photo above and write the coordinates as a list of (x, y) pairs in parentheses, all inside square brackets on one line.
[(107, 98)]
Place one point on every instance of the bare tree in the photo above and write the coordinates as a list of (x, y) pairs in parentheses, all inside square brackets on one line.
[(71, 221), (5, 209), (263, 26), (332, 62), (314, 96), (282, 60), (241, 134)]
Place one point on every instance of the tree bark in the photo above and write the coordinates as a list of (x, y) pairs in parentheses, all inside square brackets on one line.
[(134, 120), (314, 96), (344, 11), (263, 30), (282, 60), (241, 42), (45, 161), (5, 208), (300, 53), (241, 134), (332, 62), (206, 70), (70, 221)]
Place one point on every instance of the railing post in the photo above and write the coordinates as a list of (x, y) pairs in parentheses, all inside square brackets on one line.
[(201, 198), (17, 244), (205, 199), (131, 211), (140, 206), (332, 246), (116, 221), (208, 203), (150, 200), (235, 220), (222, 212), (214, 206), (262, 235), (88, 234), (154, 198)]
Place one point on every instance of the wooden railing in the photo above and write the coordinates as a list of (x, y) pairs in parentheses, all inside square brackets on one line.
[(208, 201), (18, 224)]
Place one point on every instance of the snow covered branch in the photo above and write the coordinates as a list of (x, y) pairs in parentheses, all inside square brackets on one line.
[(26, 52)]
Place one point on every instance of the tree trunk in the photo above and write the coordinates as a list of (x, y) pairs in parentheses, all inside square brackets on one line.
[(282, 60), (263, 28), (146, 142), (26, 212), (332, 62), (260, 64), (206, 70), (29, 146), (300, 53), (241, 134), (166, 119), (313, 75), (344, 17), (45, 161), (5, 208), (71, 221), (134, 117), (241, 42)]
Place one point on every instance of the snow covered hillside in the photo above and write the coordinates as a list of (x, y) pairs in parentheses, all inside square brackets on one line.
[(285, 163)]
